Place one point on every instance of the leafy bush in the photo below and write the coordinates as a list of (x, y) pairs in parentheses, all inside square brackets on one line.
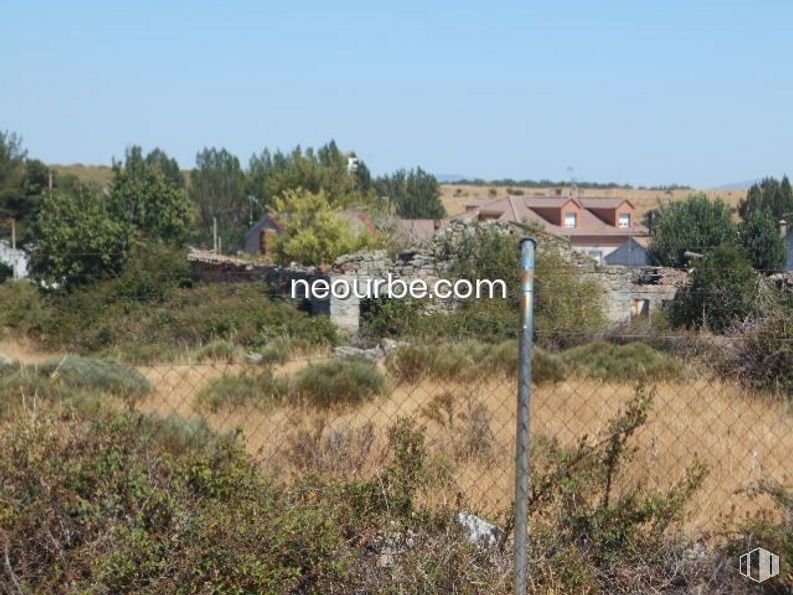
[(723, 292), (469, 361), (97, 320), (341, 381), (697, 224), (628, 362), (259, 389)]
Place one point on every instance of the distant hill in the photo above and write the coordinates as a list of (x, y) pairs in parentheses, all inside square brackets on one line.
[(450, 178), (745, 185)]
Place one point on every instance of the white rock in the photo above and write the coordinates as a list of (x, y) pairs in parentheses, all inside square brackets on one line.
[(480, 532)]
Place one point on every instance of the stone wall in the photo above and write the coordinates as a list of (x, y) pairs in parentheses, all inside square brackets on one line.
[(628, 291)]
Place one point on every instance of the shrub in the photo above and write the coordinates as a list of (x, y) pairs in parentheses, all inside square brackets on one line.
[(251, 388), (341, 381), (723, 292), (628, 362), (96, 320), (220, 350), (763, 356), (96, 374), (469, 361), (123, 502)]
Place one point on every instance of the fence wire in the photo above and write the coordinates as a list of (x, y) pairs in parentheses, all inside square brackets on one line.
[(468, 418)]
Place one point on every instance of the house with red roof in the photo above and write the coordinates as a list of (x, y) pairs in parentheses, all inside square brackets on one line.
[(603, 227)]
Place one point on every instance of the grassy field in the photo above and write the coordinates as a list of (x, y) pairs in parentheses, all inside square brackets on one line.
[(741, 437), (455, 196)]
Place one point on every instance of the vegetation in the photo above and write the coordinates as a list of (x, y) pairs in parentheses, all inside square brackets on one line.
[(151, 201), (124, 502), (723, 292), (6, 272), (469, 361), (258, 388), (218, 190), (79, 241), (78, 381), (340, 381), (760, 239), (566, 303), (770, 196), (622, 363), (413, 194), (315, 231), (324, 170), (697, 224), (113, 318), (763, 356)]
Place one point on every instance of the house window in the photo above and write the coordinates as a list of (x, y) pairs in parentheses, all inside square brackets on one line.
[(569, 220), (625, 220)]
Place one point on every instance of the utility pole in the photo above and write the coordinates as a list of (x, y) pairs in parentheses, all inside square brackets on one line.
[(13, 234), (215, 235)]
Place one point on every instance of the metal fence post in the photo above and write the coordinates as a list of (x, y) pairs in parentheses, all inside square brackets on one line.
[(527, 250)]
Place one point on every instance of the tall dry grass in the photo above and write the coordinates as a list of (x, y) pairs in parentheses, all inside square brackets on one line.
[(470, 428)]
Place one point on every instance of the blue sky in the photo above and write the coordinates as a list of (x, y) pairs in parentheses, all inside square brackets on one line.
[(640, 92)]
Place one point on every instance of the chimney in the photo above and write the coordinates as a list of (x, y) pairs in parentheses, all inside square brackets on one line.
[(783, 228)]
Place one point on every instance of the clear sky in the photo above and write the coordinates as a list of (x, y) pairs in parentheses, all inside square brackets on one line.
[(642, 92)]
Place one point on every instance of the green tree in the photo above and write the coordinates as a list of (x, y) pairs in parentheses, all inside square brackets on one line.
[(761, 241), (152, 203), (12, 159), (414, 194), (218, 187), (697, 224), (771, 196), (78, 239), (316, 232), (723, 291), (325, 170), (22, 183)]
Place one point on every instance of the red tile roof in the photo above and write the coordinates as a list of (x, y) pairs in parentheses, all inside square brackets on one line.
[(522, 209)]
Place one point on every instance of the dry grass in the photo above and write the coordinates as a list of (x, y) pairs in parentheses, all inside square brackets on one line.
[(741, 437), (455, 196)]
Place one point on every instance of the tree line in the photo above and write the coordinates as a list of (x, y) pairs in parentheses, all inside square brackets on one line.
[(76, 229)]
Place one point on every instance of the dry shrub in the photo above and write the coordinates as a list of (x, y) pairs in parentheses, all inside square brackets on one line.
[(340, 381), (253, 388), (466, 422), (468, 361), (631, 361), (313, 445)]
